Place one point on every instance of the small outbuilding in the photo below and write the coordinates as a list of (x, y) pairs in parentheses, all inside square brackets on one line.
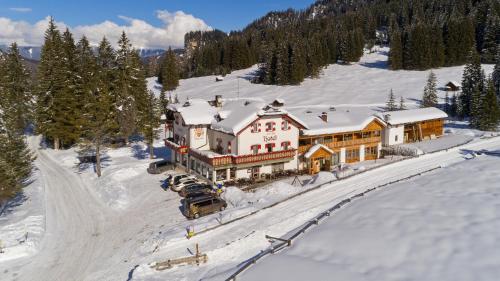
[(453, 86), (406, 126)]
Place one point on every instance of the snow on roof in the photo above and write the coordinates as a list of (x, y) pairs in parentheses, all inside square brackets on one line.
[(455, 83), (315, 148), (339, 119), (232, 117), (412, 115), (195, 111)]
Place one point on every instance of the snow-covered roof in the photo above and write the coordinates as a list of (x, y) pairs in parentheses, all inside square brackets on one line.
[(412, 115), (315, 148), (455, 83), (339, 120), (195, 111), (233, 116)]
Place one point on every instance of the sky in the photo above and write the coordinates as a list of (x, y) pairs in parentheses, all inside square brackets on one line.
[(149, 23)]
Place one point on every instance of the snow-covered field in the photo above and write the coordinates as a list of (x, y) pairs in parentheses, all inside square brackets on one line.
[(366, 83), (81, 227), (442, 226)]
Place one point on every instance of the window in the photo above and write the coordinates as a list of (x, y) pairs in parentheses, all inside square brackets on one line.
[(319, 140), (255, 148), (285, 126), (396, 138), (229, 147), (376, 133), (285, 145), (269, 147), (352, 154), (256, 127), (278, 167), (366, 135), (347, 137), (371, 150), (183, 141), (328, 139), (270, 126), (303, 142)]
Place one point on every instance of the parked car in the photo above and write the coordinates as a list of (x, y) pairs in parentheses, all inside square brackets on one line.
[(194, 190), (183, 183), (177, 178), (159, 167), (195, 207)]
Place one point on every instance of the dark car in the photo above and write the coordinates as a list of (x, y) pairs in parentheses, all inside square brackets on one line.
[(159, 167), (196, 189), (195, 207)]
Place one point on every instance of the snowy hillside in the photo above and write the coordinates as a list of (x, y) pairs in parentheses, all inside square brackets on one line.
[(443, 226), (364, 83)]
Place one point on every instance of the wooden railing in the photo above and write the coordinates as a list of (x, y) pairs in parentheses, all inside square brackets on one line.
[(225, 160), (182, 149), (339, 144)]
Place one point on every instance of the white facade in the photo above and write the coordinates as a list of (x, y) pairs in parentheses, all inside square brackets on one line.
[(393, 135), (263, 142)]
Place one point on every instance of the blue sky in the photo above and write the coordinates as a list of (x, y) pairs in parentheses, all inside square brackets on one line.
[(223, 14)]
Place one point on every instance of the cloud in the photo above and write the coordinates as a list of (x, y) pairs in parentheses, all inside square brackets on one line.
[(21, 10), (141, 33)]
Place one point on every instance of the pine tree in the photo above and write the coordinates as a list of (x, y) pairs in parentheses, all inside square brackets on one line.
[(390, 105), (476, 114), (430, 98), (125, 102), (100, 100), (50, 85), (150, 122), (490, 111), (491, 39), (16, 90), (170, 73), (471, 79), (496, 73), (402, 105), (454, 106), (447, 103), (396, 51), (15, 158), (68, 104)]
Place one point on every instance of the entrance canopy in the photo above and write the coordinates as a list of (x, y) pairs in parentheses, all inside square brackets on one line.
[(317, 148)]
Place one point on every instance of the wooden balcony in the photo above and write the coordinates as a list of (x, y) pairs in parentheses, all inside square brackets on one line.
[(340, 144), (235, 160), (182, 149)]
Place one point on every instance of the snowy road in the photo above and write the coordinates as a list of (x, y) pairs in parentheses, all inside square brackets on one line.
[(74, 218)]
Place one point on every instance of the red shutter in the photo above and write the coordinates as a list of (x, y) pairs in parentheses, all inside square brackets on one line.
[(274, 126)]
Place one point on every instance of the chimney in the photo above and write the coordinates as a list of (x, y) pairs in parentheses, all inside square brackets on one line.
[(387, 117), (324, 117), (218, 100)]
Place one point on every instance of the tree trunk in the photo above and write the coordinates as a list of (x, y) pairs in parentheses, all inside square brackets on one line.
[(56, 143), (98, 159), (151, 149)]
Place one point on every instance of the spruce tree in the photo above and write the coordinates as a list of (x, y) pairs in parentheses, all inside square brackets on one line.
[(430, 98), (16, 90), (396, 51), (490, 111), (125, 102), (170, 72), (49, 90), (491, 39), (402, 105), (150, 122), (454, 107), (100, 99), (390, 105), (496, 73), (471, 79)]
